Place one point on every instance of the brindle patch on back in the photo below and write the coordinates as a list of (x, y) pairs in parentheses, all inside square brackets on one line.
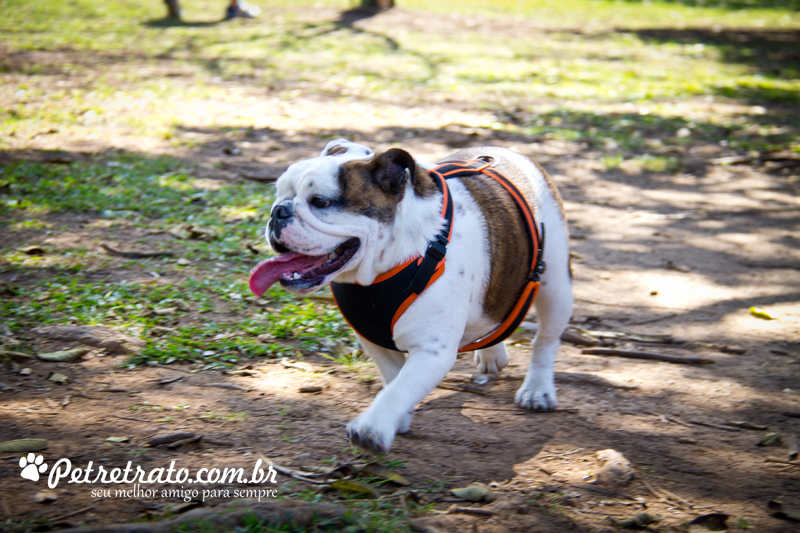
[(509, 246), (374, 188)]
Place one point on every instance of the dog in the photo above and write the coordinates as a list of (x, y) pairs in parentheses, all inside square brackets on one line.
[(351, 217)]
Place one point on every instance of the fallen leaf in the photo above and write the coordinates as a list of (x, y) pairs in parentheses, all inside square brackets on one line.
[(298, 365), (17, 356), (311, 389), (474, 493), (318, 469), (735, 350), (746, 425), (231, 386), (638, 521), (45, 496), (23, 445), (770, 439), (118, 439), (32, 250), (60, 379), (352, 485), (190, 231), (181, 442), (65, 356), (25, 372), (166, 439), (759, 313), (381, 472), (709, 522), (243, 373), (180, 304)]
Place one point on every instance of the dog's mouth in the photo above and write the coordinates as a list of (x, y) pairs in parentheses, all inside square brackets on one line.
[(301, 272)]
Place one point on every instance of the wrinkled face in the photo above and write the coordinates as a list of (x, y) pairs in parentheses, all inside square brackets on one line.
[(326, 211)]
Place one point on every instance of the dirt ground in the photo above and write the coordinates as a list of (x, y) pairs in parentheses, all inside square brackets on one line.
[(682, 256)]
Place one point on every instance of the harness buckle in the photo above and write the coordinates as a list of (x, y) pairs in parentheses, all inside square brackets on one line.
[(438, 248), (541, 266)]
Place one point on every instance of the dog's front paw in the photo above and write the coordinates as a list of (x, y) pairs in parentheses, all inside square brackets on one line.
[(369, 436), (537, 394), (491, 360)]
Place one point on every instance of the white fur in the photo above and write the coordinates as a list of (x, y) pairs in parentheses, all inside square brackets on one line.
[(449, 314)]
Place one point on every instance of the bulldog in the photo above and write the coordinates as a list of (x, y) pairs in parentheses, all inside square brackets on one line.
[(453, 255)]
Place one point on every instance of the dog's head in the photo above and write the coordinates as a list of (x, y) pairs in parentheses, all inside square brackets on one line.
[(333, 213)]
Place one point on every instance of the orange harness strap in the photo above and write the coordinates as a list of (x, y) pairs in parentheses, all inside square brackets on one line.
[(456, 169), (373, 310)]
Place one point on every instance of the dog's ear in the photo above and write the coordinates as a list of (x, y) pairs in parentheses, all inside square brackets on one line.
[(336, 149), (391, 170)]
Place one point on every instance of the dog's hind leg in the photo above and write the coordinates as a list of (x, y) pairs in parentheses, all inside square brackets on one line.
[(491, 360), (554, 310)]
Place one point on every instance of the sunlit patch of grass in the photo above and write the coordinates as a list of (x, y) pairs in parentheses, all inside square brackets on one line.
[(612, 162), (30, 224), (655, 163), (627, 13)]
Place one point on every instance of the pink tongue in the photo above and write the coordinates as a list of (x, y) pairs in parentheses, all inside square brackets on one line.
[(266, 273)]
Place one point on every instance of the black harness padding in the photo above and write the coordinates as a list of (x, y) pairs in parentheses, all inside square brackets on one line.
[(372, 310)]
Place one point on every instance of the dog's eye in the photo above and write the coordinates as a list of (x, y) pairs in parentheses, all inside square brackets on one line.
[(319, 201)]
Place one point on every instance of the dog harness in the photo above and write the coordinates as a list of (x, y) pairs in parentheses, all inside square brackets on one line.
[(372, 310)]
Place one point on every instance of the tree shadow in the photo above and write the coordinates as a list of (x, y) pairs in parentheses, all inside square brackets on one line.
[(772, 52), (733, 5), (170, 22)]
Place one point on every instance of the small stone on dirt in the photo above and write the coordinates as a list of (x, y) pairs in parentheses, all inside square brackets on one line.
[(60, 379), (616, 468), (475, 493)]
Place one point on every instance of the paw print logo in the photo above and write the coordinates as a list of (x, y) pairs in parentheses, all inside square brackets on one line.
[(31, 466)]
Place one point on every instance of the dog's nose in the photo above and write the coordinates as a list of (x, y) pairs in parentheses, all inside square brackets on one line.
[(283, 210), (282, 215)]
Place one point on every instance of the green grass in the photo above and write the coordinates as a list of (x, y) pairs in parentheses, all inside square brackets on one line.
[(156, 194)]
